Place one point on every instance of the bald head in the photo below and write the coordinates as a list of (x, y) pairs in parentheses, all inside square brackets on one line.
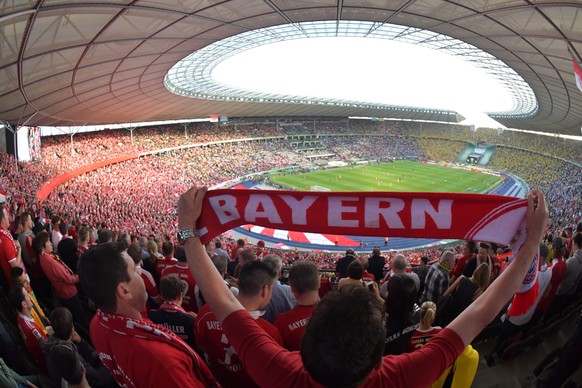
[(399, 263)]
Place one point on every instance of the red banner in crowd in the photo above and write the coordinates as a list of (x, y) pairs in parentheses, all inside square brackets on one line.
[(388, 214), (478, 217)]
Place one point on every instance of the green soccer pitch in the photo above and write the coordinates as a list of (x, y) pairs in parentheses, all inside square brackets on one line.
[(413, 176)]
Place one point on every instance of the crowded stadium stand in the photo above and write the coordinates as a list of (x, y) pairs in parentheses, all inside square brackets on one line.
[(105, 280), (128, 183)]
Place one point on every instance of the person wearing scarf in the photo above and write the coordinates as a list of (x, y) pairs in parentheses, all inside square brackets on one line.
[(137, 352), (63, 280), (322, 359), (10, 250), (171, 314)]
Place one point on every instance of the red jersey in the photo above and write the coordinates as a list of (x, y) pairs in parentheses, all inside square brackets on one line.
[(292, 324), (182, 271), (161, 264), (141, 362), (223, 360), (8, 253), (420, 338), (33, 338), (149, 282), (272, 366)]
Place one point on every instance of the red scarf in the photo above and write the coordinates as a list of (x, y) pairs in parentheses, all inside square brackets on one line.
[(171, 306), (144, 329), (480, 217)]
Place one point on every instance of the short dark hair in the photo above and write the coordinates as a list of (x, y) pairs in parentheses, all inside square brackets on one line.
[(16, 296), (355, 270), (101, 269), (220, 262), (240, 242), (401, 297), (376, 251), (62, 323), (24, 217), (577, 239), (424, 259), (65, 360), (167, 248), (180, 254), (472, 245), (344, 338), (304, 277), (254, 275), (247, 254), (171, 287), (39, 241), (485, 245), (134, 251), (217, 244), (63, 228), (105, 236), (15, 273)]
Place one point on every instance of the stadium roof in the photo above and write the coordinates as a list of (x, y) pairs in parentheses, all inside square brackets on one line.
[(69, 62)]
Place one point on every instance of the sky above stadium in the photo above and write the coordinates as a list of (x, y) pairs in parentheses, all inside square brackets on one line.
[(368, 70)]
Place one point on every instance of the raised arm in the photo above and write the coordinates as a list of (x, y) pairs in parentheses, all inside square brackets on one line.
[(481, 312), (216, 293)]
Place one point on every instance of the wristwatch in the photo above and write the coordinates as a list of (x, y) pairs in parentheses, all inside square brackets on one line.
[(185, 234)]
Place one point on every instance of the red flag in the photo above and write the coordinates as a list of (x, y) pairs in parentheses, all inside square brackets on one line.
[(577, 74)]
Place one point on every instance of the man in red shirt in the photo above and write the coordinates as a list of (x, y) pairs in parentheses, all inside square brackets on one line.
[(469, 251), (256, 284), (33, 335), (168, 260), (344, 339), (181, 270), (137, 352), (304, 281), (10, 250)]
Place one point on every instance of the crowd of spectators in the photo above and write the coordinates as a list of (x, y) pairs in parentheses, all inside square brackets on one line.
[(134, 202)]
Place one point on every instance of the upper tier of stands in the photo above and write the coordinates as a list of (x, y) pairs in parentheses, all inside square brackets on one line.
[(136, 194)]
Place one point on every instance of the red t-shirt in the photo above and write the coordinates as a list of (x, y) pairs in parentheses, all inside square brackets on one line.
[(7, 253), (223, 360), (420, 338), (182, 271), (273, 366), (140, 362), (33, 335), (558, 273), (292, 324), (162, 264), (150, 283)]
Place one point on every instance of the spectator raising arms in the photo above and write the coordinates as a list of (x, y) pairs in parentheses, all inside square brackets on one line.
[(344, 339)]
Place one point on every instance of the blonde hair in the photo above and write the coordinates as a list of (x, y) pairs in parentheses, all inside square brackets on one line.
[(428, 313), (481, 279)]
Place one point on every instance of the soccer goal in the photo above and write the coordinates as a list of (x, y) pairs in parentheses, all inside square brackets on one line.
[(319, 188)]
